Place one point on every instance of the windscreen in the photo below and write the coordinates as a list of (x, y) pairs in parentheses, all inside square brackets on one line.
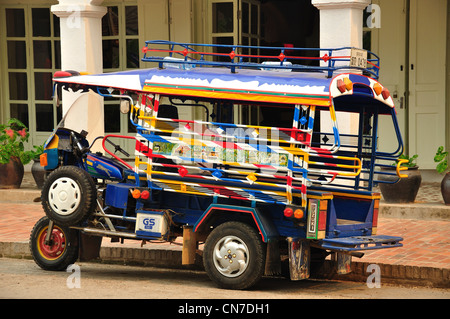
[(82, 111)]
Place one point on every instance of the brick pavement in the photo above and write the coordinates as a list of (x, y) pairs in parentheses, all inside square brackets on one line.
[(425, 243), (17, 220)]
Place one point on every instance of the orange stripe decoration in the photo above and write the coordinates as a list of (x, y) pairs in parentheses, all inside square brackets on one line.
[(244, 95)]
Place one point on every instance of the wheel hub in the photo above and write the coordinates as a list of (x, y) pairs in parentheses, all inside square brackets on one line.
[(231, 256), (64, 196), (57, 244)]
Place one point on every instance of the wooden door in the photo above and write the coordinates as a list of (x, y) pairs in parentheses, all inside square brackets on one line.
[(427, 56)]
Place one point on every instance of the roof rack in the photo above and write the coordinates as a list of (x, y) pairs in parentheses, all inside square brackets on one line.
[(191, 55)]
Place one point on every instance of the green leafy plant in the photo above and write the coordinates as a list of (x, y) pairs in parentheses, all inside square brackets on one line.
[(13, 135), (441, 159), (411, 160)]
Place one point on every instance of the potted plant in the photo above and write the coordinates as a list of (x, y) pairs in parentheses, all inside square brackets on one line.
[(442, 165), (404, 190), (13, 155)]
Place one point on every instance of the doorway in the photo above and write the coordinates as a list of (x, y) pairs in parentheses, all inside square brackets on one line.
[(411, 43)]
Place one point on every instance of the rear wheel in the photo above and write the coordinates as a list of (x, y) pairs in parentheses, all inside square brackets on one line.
[(234, 256), (57, 254), (69, 195)]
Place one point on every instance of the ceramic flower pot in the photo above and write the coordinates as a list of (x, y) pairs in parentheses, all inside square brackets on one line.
[(38, 173), (11, 173), (403, 191), (445, 188)]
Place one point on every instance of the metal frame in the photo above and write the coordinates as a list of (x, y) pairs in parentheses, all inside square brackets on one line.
[(188, 56)]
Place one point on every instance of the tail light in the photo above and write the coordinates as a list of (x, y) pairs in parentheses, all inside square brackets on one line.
[(293, 211), (288, 212), (145, 195), (298, 213), (136, 193)]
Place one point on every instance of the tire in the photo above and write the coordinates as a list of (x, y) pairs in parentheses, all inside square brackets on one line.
[(69, 196), (234, 256), (63, 250)]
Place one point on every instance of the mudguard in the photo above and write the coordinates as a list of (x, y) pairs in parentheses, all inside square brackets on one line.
[(263, 223)]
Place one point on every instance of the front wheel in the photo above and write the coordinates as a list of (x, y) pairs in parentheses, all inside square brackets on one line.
[(59, 253), (234, 256)]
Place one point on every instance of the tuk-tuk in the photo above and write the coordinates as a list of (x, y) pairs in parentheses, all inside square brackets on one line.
[(240, 154)]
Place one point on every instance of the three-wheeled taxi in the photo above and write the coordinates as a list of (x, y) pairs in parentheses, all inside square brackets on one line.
[(241, 154)]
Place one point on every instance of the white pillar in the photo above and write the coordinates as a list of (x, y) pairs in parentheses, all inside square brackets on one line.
[(81, 50), (341, 22), (341, 25)]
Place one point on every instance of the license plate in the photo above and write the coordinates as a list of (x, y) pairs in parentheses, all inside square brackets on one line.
[(311, 231), (358, 58)]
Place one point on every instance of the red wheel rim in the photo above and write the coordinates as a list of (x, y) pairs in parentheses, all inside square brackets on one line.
[(58, 243)]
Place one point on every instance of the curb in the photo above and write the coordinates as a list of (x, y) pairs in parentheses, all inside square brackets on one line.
[(422, 211), (20, 196), (171, 258), (404, 275)]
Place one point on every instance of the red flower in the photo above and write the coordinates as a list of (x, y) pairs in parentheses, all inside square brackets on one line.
[(22, 132), (10, 132)]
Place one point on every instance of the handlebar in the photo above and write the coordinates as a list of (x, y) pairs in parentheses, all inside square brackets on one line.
[(82, 149), (117, 148)]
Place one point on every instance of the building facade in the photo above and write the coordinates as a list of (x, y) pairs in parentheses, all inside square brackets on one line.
[(411, 38)]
